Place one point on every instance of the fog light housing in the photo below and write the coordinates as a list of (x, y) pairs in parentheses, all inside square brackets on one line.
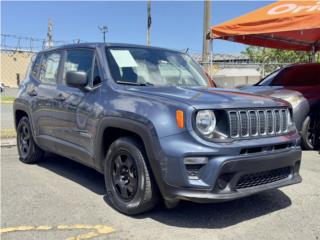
[(193, 166), (221, 183), (195, 160)]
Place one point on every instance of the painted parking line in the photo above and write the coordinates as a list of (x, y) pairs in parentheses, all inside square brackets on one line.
[(95, 230)]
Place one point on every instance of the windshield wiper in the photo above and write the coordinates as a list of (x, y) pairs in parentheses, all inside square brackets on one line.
[(135, 83)]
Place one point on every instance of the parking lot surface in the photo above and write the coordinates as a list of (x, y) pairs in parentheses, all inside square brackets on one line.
[(60, 199)]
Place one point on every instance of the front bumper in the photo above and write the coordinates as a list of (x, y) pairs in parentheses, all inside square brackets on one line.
[(230, 173)]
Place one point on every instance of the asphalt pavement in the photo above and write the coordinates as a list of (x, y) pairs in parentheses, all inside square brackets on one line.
[(61, 199), (7, 121), (6, 109)]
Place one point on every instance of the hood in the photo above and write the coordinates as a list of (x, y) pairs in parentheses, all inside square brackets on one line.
[(273, 91), (202, 98)]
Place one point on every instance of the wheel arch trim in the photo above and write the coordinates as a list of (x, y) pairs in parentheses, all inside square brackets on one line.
[(148, 135)]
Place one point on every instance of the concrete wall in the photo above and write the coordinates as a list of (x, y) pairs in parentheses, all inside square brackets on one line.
[(232, 81), (234, 77), (14, 65)]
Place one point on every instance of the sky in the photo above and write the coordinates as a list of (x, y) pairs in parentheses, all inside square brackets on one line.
[(176, 25)]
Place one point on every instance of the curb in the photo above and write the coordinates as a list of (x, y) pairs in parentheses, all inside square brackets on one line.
[(6, 102), (8, 142)]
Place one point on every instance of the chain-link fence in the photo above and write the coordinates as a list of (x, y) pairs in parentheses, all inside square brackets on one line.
[(16, 54), (227, 70), (237, 74)]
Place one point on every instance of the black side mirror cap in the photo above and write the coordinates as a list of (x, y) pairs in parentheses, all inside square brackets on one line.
[(76, 78)]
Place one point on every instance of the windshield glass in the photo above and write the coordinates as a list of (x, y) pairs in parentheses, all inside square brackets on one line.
[(150, 66), (268, 79)]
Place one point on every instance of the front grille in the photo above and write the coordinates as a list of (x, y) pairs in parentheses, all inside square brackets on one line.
[(260, 178), (259, 122)]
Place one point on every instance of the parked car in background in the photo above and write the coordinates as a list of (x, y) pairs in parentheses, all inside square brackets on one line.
[(1, 87), (148, 119), (299, 84)]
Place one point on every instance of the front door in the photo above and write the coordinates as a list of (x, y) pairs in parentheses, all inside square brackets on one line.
[(76, 105)]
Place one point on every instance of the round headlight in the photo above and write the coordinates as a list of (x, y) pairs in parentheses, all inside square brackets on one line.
[(205, 122)]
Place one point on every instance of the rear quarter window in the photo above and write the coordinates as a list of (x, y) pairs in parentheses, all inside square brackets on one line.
[(36, 67)]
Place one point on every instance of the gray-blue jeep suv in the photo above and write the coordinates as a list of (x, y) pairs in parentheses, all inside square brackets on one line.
[(148, 120)]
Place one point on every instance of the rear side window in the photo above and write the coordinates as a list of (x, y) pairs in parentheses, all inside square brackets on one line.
[(49, 68), (304, 75), (36, 66), (79, 60)]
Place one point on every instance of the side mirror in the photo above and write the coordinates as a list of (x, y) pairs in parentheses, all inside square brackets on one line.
[(76, 78)]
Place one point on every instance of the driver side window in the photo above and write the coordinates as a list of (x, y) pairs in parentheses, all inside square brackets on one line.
[(78, 60)]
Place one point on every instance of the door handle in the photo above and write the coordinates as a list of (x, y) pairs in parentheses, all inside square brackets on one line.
[(60, 97), (32, 93)]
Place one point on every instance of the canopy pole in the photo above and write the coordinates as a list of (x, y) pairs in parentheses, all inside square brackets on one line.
[(206, 31), (211, 56), (313, 53)]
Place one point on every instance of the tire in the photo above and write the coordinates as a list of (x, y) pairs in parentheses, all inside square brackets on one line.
[(28, 150), (129, 183), (307, 142)]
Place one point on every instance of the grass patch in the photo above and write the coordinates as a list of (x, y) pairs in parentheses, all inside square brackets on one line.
[(8, 133), (7, 99)]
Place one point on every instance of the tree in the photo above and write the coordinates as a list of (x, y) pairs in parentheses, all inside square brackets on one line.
[(271, 59)]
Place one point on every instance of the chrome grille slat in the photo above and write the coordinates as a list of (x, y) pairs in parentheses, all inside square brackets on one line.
[(245, 123), (253, 123)]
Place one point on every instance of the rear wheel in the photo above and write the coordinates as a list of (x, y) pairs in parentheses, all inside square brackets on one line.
[(130, 187), (28, 150)]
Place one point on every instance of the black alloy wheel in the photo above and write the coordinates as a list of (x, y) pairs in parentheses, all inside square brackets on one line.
[(130, 186), (29, 152), (124, 175), (24, 140)]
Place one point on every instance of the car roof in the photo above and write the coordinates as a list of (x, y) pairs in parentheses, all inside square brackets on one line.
[(99, 44), (302, 65)]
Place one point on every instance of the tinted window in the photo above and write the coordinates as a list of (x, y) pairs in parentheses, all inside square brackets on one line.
[(304, 75), (49, 67), (79, 60), (36, 66)]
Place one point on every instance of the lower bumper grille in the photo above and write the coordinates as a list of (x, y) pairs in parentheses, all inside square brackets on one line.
[(260, 178)]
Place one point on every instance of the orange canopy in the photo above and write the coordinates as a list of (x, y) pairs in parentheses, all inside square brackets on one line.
[(293, 25)]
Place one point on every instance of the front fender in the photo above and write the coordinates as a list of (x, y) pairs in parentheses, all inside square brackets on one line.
[(146, 131)]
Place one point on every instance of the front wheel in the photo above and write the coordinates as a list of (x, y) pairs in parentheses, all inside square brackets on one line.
[(309, 133), (129, 183), (28, 150)]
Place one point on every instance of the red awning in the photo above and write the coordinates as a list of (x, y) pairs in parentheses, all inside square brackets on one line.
[(292, 25)]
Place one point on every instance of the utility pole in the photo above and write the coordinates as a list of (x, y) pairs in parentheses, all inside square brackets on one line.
[(104, 30), (149, 21), (206, 30), (49, 40)]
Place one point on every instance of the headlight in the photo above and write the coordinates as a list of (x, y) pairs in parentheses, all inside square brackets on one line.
[(206, 122)]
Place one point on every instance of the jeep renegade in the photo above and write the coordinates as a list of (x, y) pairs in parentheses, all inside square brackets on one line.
[(149, 119)]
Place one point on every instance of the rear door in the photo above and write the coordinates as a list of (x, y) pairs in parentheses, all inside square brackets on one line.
[(46, 73)]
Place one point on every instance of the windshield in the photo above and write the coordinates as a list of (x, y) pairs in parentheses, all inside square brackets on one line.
[(150, 66), (268, 79)]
